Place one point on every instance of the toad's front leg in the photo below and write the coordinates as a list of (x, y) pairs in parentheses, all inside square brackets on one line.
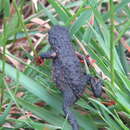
[(48, 55)]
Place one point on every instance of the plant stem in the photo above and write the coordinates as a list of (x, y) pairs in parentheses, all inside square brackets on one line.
[(112, 42)]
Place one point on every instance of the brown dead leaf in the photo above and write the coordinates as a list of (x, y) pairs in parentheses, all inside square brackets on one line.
[(12, 9), (41, 104), (29, 115), (20, 94), (14, 110), (30, 25), (7, 125), (41, 22)]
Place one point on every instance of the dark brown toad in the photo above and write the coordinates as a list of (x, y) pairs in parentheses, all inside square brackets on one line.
[(67, 72)]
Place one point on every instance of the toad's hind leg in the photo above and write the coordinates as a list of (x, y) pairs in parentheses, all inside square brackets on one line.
[(69, 100), (96, 85)]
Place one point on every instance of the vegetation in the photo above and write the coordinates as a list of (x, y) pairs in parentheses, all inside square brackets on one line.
[(28, 96)]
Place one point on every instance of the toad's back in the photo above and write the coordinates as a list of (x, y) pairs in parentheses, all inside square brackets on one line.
[(66, 66)]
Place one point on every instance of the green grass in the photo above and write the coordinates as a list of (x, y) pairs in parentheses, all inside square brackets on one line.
[(98, 39)]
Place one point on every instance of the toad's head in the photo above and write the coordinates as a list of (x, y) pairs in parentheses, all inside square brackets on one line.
[(58, 35)]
